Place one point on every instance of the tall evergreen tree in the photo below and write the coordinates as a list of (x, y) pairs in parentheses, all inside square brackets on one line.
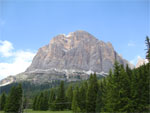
[(92, 94), (37, 104), (61, 99), (69, 96), (2, 101), (14, 101), (9, 107), (46, 105), (25, 102), (147, 41), (140, 89), (41, 102), (75, 101), (99, 102), (34, 107), (112, 90), (82, 97), (103, 92), (52, 100), (19, 99)]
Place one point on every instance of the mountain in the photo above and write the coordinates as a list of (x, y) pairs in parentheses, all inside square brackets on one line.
[(141, 61), (70, 57)]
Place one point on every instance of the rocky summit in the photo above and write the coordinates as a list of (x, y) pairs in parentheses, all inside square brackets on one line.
[(71, 57)]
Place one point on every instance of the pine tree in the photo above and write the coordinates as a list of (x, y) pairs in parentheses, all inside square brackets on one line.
[(19, 99), (99, 102), (147, 41), (2, 101), (112, 91), (92, 94), (9, 107), (140, 89), (25, 101), (124, 90), (75, 106), (34, 107), (41, 102), (14, 101), (61, 99), (46, 105), (127, 90), (82, 97), (69, 96), (37, 103), (52, 100)]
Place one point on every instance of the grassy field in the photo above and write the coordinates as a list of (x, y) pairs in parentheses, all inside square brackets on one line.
[(30, 111)]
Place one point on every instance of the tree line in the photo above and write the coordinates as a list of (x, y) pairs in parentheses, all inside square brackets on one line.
[(123, 90), (12, 103)]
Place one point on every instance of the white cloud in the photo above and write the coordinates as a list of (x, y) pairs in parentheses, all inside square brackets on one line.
[(6, 48), (20, 60), (131, 44)]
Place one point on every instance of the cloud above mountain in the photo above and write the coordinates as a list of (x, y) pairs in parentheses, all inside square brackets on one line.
[(131, 44), (6, 48), (13, 61)]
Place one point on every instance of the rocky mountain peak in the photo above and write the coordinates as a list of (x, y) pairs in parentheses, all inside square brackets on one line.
[(73, 39), (70, 57), (141, 61), (78, 50)]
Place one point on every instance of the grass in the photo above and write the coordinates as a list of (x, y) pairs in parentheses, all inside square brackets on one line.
[(30, 111)]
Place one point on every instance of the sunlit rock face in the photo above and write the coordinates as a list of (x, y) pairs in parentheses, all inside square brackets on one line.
[(141, 62), (70, 57), (77, 51)]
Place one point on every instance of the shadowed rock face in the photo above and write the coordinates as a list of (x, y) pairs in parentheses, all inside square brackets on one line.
[(77, 51)]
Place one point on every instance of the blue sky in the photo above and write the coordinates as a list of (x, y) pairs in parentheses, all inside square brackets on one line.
[(26, 25)]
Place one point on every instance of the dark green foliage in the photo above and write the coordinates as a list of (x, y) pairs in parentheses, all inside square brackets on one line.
[(41, 102), (116, 93), (147, 41), (52, 100), (92, 94), (29, 88), (75, 101), (46, 98), (19, 100), (25, 101), (140, 89), (2, 101), (14, 100), (69, 96), (127, 90), (123, 90), (82, 97), (99, 102), (34, 106), (9, 107), (61, 99)]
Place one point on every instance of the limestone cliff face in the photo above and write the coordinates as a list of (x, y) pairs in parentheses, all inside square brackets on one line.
[(77, 51), (70, 58)]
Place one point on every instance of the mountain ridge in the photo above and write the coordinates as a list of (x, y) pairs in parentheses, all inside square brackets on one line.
[(70, 57)]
